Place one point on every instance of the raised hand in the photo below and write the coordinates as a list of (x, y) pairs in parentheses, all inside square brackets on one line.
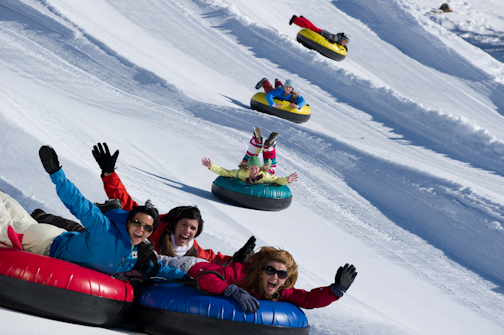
[(292, 178), (104, 159), (49, 159), (206, 162), (245, 251), (345, 276)]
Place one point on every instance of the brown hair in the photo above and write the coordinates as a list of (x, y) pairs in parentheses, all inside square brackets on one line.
[(258, 263), (294, 96), (146, 255), (172, 218), (165, 245)]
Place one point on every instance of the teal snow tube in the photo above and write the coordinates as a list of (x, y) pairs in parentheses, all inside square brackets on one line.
[(266, 197)]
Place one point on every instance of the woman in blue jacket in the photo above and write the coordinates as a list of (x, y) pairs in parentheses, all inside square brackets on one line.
[(282, 92), (113, 243)]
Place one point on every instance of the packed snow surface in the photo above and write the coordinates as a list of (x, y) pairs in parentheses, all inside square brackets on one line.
[(401, 164)]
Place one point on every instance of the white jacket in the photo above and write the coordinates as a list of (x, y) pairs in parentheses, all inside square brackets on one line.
[(36, 236)]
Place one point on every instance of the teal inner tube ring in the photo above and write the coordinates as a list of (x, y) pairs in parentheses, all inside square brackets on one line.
[(266, 197)]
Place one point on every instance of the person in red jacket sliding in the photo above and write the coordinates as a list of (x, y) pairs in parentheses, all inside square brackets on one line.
[(269, 274), (339, 38), (177, 229)]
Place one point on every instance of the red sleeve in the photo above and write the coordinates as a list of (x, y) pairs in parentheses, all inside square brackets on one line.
[(318, 297), (233, 274), (154, 238), (116, 190), (210, 255)]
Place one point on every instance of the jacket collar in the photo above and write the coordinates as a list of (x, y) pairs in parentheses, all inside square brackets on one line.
[(119, 219)]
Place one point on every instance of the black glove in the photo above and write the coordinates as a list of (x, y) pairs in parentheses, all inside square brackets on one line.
[(344, 278), (104, 159), (245, 251), (108, 205), (188, 280), (247, 302), (49, 159)]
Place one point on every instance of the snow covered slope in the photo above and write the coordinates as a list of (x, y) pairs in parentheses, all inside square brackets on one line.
[(400, 165)]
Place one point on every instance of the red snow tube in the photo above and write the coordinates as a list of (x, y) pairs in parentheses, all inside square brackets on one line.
[(60, 290)]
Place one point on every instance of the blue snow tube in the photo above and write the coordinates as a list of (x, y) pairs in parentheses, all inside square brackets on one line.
[(170, 308), (267, 197)]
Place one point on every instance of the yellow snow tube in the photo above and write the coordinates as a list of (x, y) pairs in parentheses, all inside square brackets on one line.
[(259, 103), (315, 41)]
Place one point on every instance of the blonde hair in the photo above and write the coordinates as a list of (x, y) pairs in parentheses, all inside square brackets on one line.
[(264, 168), (258, 262)]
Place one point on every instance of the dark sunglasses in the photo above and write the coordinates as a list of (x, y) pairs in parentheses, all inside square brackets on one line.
[(282, 274), (148, 228)]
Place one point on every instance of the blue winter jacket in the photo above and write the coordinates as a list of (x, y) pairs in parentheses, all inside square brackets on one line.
[(105, 246), (279, 93)]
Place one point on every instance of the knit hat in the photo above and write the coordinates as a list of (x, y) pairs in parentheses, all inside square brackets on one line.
[(289, 82), (343, 36), (254, 161)]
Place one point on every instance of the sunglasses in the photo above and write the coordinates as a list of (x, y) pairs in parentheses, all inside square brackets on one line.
[(148, 228), (282, 274)]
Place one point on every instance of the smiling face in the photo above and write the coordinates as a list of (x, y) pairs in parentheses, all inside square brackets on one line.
[(272, 283), (139, 234), (254, 170), (185, 230), (287, 89)]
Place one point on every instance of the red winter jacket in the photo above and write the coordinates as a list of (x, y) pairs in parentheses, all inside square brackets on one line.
[(235, 274), (115, 190)]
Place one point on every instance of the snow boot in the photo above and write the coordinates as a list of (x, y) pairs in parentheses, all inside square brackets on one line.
[(271, 140), (259, 84), (37, 213), (292, 19), (257, 135)]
